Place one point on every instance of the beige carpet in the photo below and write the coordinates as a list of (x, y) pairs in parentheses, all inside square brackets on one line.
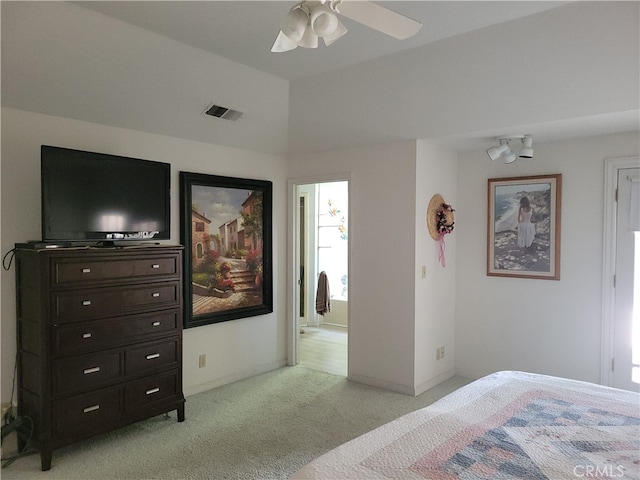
[(265, 427)]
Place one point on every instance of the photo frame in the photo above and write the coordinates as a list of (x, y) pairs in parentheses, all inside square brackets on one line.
[(523, 227), (226, 231)]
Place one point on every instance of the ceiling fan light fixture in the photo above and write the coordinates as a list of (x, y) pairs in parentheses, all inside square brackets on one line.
[(309, 39), (283, 44), (323, 21), (295, 24), (312, 19), (338, 33)]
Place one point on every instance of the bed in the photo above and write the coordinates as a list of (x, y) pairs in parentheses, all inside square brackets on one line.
[(508, 425)]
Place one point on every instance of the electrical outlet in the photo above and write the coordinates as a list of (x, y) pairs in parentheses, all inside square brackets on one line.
[(202, 361), (424, 271)]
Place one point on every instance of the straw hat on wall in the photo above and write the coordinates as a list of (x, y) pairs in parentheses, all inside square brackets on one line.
[(440, 217)]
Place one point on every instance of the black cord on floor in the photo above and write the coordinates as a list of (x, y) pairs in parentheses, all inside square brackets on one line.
[(27, 450), (11, 254), (12, 423)]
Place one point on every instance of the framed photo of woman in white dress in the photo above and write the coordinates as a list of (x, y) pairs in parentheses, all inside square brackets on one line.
[(523, 227)]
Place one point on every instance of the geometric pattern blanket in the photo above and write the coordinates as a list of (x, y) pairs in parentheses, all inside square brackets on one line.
[(508, 425)]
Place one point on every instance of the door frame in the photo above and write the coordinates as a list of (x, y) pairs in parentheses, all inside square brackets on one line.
[(293, 304), (612, 166)]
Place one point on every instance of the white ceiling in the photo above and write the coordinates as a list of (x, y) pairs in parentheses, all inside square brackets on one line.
[(244, 31), (476, 69)]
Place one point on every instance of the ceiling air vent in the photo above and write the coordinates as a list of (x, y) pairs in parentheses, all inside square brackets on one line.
[(224, 113)]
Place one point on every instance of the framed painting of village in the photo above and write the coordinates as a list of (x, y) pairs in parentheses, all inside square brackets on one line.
[(523, 227), (226, 232)]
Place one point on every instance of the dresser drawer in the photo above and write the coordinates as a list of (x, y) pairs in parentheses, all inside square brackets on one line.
[(99, 339), (72, 338), (151, 356), (152, 389), (87, 371), (87, 413), (105, 302), (74, 270)]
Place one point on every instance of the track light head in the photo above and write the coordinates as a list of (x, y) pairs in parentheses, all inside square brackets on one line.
[(497, 151), (508, 157), (527, 150)]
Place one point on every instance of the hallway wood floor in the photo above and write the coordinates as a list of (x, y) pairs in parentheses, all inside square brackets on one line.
[(324, 349)]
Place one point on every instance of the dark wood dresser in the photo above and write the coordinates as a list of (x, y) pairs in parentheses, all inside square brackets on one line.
[(99, 341)]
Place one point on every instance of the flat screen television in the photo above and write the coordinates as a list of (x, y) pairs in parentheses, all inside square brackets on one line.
[(89, 197)]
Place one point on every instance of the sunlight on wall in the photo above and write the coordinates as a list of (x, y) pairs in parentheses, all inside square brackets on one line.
[(333, 208)]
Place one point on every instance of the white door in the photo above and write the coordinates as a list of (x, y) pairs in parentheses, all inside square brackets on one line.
[(626, 329)]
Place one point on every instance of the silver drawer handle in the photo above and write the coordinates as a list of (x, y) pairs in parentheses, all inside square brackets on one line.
[(91, 409), (152, 356), (86, 335), (86, 303), (155, 294), (155, 265), (86, 270), (87, 371), (156, 324), (152, 391)]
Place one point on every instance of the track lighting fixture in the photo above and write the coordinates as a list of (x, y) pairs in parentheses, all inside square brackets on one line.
[(503, 151)]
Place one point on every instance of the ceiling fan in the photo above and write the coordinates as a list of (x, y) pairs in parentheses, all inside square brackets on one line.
[(312, 19)]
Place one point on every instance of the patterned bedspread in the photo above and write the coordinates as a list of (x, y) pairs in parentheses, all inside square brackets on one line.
[(508, 425)]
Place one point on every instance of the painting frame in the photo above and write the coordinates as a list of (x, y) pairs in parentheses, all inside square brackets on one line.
[(514, 247), (219, 267)]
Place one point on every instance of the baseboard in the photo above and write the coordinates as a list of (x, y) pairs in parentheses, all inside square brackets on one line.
[(376, 382), (404, 389), (218, 382), (423, 387), (335, 325)]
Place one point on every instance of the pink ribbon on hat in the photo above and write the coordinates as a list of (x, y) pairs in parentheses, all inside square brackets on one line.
[(441, 246)]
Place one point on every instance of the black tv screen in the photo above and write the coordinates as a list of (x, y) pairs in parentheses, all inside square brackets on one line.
[(98, 197)]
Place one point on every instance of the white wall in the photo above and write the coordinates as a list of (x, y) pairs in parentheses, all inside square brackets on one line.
[(576, 61), (397, 318), (339, 314), (543, 326), (382, 242), (435, 297), (234, 349), (62, 59)]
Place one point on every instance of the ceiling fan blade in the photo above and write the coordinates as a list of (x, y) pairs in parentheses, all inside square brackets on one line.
[(379, 18)]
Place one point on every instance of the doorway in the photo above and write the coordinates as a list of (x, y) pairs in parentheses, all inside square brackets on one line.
[(621, 333), (320, 259)]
